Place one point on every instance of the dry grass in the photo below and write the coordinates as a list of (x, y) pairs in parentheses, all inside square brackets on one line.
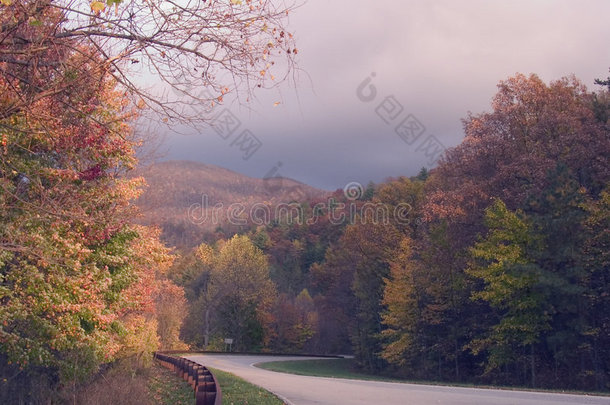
[(149, 386)]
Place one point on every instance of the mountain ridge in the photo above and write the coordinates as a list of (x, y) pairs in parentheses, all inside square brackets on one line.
[(174, 188)]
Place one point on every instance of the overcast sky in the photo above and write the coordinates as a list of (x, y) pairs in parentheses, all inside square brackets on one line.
[(434, 60)]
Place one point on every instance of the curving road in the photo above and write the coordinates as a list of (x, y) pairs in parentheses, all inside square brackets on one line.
[(304, 390)]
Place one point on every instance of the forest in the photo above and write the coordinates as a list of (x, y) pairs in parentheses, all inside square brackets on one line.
[(497, 273)]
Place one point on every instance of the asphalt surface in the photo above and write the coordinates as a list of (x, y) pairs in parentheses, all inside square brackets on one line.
[(304, 390)]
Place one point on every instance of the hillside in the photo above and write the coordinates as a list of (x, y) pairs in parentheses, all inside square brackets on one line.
[(181, 197)]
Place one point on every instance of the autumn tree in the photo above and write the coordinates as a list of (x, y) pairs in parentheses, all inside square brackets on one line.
[(171, 310), (77, 279), (513, 285), (402, 314), (507, 153), (200, 50), (295, 322), (65, 242), (595, 281), (331, 279), (287, 267), (542, 149), (234, 294), (426, 266), (351, 279)]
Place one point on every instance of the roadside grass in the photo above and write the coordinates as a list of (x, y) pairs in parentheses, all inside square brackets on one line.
[(237, 391), (335, 368), (166, 388), (346, 368)]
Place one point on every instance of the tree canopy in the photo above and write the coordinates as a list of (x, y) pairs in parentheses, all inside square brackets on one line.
[(198, 51)]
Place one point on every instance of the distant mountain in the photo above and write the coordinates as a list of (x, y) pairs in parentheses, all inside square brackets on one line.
[(190, 200)]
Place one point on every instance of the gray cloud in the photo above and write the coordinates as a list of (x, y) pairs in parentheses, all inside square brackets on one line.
[(438, 59)]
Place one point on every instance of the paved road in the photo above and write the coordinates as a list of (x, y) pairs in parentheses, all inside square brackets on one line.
[(303, 390)]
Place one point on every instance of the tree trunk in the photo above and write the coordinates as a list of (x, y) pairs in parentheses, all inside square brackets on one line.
[(457, 364), (206, 331), (533, 366)]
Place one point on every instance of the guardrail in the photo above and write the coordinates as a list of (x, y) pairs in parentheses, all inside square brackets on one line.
[(207, 390)]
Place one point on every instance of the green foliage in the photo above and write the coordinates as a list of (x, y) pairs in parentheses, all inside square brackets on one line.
[(402, 315), (76, 277), (506, 277), (512, 285), (369, 192), (603, 82), (230, 293), (423, 174)]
